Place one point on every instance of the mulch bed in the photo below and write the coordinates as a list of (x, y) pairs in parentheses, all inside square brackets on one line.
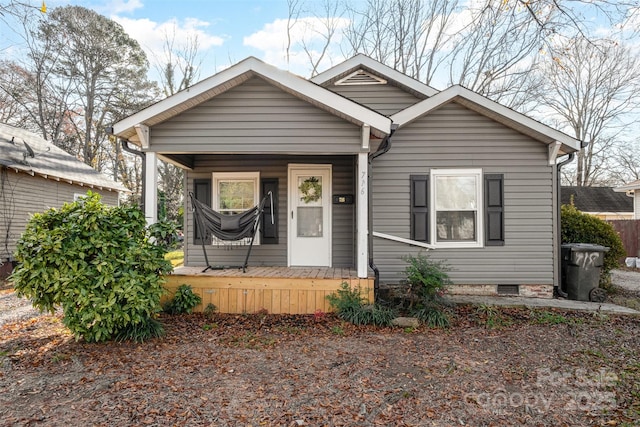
[(493, 367)]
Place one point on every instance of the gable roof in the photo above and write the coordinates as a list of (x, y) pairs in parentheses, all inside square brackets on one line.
[(596, 199), (363, 62), (48, 161), (631, 186), (236, 75), (491, 109)]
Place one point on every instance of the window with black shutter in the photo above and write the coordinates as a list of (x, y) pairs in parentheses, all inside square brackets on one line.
[(494, 209), (202, 192), (269, 231), (419, 208)]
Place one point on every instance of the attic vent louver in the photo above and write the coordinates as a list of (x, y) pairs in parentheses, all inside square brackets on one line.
[(361, 77)]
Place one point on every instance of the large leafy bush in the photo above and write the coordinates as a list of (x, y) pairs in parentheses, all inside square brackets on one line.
[(99, 263), (578, 227)]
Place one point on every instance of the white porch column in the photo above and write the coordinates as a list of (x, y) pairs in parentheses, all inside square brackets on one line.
[(362, 217), (151, 187)]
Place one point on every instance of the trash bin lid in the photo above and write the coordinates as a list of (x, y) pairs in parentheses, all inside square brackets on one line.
[(585, 247)]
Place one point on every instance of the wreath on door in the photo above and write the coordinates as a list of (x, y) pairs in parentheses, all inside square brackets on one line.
[(311, 190)]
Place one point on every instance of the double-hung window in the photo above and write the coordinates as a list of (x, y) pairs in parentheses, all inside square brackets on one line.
[(457, 208), (234, 193), (457, 201)]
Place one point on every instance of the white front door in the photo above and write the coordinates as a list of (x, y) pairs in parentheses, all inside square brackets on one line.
[(310, 215)]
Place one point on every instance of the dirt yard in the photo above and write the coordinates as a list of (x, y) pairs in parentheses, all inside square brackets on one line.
[(493, 367)]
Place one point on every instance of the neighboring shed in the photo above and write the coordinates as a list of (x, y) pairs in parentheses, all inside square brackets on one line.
[(35, 175), (602, 202)]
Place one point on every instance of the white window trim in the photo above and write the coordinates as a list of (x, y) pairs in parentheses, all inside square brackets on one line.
[(215, 199), (477, 173)]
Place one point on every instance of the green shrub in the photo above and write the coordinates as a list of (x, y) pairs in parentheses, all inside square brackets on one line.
[(432, 315), (578, 227), (427, 281), (351, 306), (427, 278), (141, 332), (98, 263), (210, 310), (184, 301)]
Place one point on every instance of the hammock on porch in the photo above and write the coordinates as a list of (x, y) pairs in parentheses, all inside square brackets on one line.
[(228, 227)]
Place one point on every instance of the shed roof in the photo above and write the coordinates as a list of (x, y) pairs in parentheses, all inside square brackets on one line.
[(48, 160), (596, 199)]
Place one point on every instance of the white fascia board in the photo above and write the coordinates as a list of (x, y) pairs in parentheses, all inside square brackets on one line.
[(415, 111), (252, 65), (390, 73)]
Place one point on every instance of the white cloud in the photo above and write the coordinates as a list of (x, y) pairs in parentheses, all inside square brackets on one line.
[(308, 32), (151, 35), (123, 6)]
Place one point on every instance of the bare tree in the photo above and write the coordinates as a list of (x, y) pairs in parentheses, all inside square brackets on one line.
[(408, 35), (179, 68), (626, 163), (294, 8), (39, 98), (179, 65), (329, 23), (494, 55), (592, 88), (102, 63)]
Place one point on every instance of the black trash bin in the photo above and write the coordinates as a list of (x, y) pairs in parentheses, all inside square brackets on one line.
[(581, 264)]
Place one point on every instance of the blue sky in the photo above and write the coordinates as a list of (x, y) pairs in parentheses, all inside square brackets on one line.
[(230, 30), (227, 30)]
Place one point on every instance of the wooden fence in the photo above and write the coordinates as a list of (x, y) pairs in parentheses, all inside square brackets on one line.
[(629, 230)]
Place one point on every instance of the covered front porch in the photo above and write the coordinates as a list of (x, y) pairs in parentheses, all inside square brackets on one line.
[(278, 290)]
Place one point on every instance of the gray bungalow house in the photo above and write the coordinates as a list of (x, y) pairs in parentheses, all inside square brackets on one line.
[(367, 165), (35, 175)]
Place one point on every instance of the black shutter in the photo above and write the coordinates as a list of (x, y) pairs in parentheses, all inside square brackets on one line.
[(268, 231), (202, 191), (494, 210), (419, 208)]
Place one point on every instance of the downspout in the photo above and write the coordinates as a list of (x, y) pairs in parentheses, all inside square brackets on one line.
[(559, 225), (141, 154), (382, 149)]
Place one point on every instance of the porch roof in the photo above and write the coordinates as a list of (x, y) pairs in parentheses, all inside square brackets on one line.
[(208, 88), (493, 110)]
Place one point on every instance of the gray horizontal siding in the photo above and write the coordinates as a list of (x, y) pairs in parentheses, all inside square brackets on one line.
[(26, 195), (343, 224), (256, 117), (455, 137), (385, 99)]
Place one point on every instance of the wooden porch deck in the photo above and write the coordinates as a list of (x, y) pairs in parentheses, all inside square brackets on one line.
[(279, 290)]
